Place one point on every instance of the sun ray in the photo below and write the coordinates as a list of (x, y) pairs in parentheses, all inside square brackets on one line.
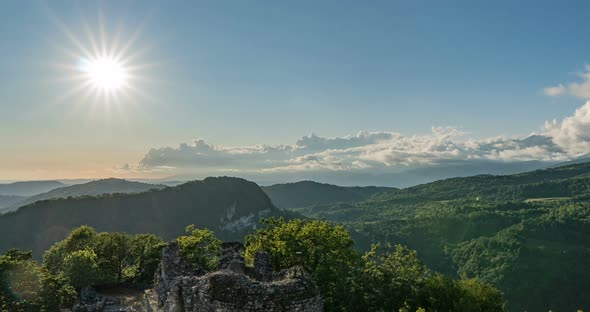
[(105, 69)]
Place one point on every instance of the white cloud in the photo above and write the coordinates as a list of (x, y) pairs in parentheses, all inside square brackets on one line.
[(370, 152), (577, 89), (376, 156), (573, 133)]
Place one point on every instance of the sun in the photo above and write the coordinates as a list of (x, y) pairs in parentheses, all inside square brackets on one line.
[(104, 68), (105, 73)]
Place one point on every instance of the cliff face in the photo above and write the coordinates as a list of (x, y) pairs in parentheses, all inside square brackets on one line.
[(233, 287)]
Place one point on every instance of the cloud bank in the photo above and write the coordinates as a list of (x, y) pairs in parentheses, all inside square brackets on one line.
[(376, 154), (392, 157), (367, 151)]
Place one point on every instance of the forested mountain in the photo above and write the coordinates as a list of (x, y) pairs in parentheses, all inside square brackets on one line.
[(308, 193), (9, 200), (28, 188), (527, 233), (93, 188), (228, 206)]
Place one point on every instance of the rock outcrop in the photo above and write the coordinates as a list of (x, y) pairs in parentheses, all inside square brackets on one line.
[(234, 287)]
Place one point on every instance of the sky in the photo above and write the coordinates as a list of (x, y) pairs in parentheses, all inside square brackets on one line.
[(312, 87)]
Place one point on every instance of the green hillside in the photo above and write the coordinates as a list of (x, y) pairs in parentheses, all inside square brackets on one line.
[(92, 188), (527, 233), (229, 206), (28, 188), (9, 200), (309, 193)]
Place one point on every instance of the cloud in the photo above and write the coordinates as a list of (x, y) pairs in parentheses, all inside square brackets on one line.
[(577, 89), (366, 152), (573, 133), (371, 157), (555, 91), (374, 157)]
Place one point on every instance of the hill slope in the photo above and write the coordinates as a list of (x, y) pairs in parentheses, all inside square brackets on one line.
[(28, 188), (526, 233), (93, 188), (308, 193), (9, 200), (229, 206)]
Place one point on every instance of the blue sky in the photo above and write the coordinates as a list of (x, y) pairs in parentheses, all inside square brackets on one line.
[(238, 73)]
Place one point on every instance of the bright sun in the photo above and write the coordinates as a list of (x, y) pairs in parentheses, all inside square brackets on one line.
[(105, 73)]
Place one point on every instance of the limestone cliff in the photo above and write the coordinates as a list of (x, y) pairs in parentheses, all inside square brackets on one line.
[(234, 287)]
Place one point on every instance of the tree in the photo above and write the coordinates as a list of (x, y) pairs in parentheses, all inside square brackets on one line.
[(113, 256), (145, 253), (200, 247), (80, 238), (119, 257), (80, 268), (26, 287), (391, 278), (324, 249)]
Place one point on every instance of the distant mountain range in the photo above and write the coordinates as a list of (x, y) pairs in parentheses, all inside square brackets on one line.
[(9, 200), (309, 193), (93, 188), (229, 206), (29, 188)]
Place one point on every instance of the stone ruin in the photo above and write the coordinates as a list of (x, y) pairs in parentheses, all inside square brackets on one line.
[(234, 287)]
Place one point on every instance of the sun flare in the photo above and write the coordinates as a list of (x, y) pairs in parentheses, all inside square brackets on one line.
[(105, 73), (104, 68)]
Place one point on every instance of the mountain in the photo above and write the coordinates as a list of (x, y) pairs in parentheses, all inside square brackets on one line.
[(401, 177), (526, 233), (93, 188), (9, 200), (229, 206), (579, 160), (28, 188), (308, 193)]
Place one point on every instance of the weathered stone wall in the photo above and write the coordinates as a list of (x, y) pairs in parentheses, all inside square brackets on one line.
[(171, 271), (234, 287)]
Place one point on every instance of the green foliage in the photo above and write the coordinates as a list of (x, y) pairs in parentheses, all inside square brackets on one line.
[(145, 252), (391, 278), (200, 246), (162, 212), (80, 268), (288, 195), (503, 230), (326, 250), (383, 279), (112, 250), (83, 258), (27, 287), (441, 293), (90, 258)]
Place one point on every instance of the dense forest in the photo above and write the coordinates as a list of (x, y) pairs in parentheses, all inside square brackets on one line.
[(229, 206), (386, 278), (521, 238), (308, 193), (527, 234)]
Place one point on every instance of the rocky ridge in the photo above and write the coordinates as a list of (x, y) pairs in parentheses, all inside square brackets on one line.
[(234, 287)]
